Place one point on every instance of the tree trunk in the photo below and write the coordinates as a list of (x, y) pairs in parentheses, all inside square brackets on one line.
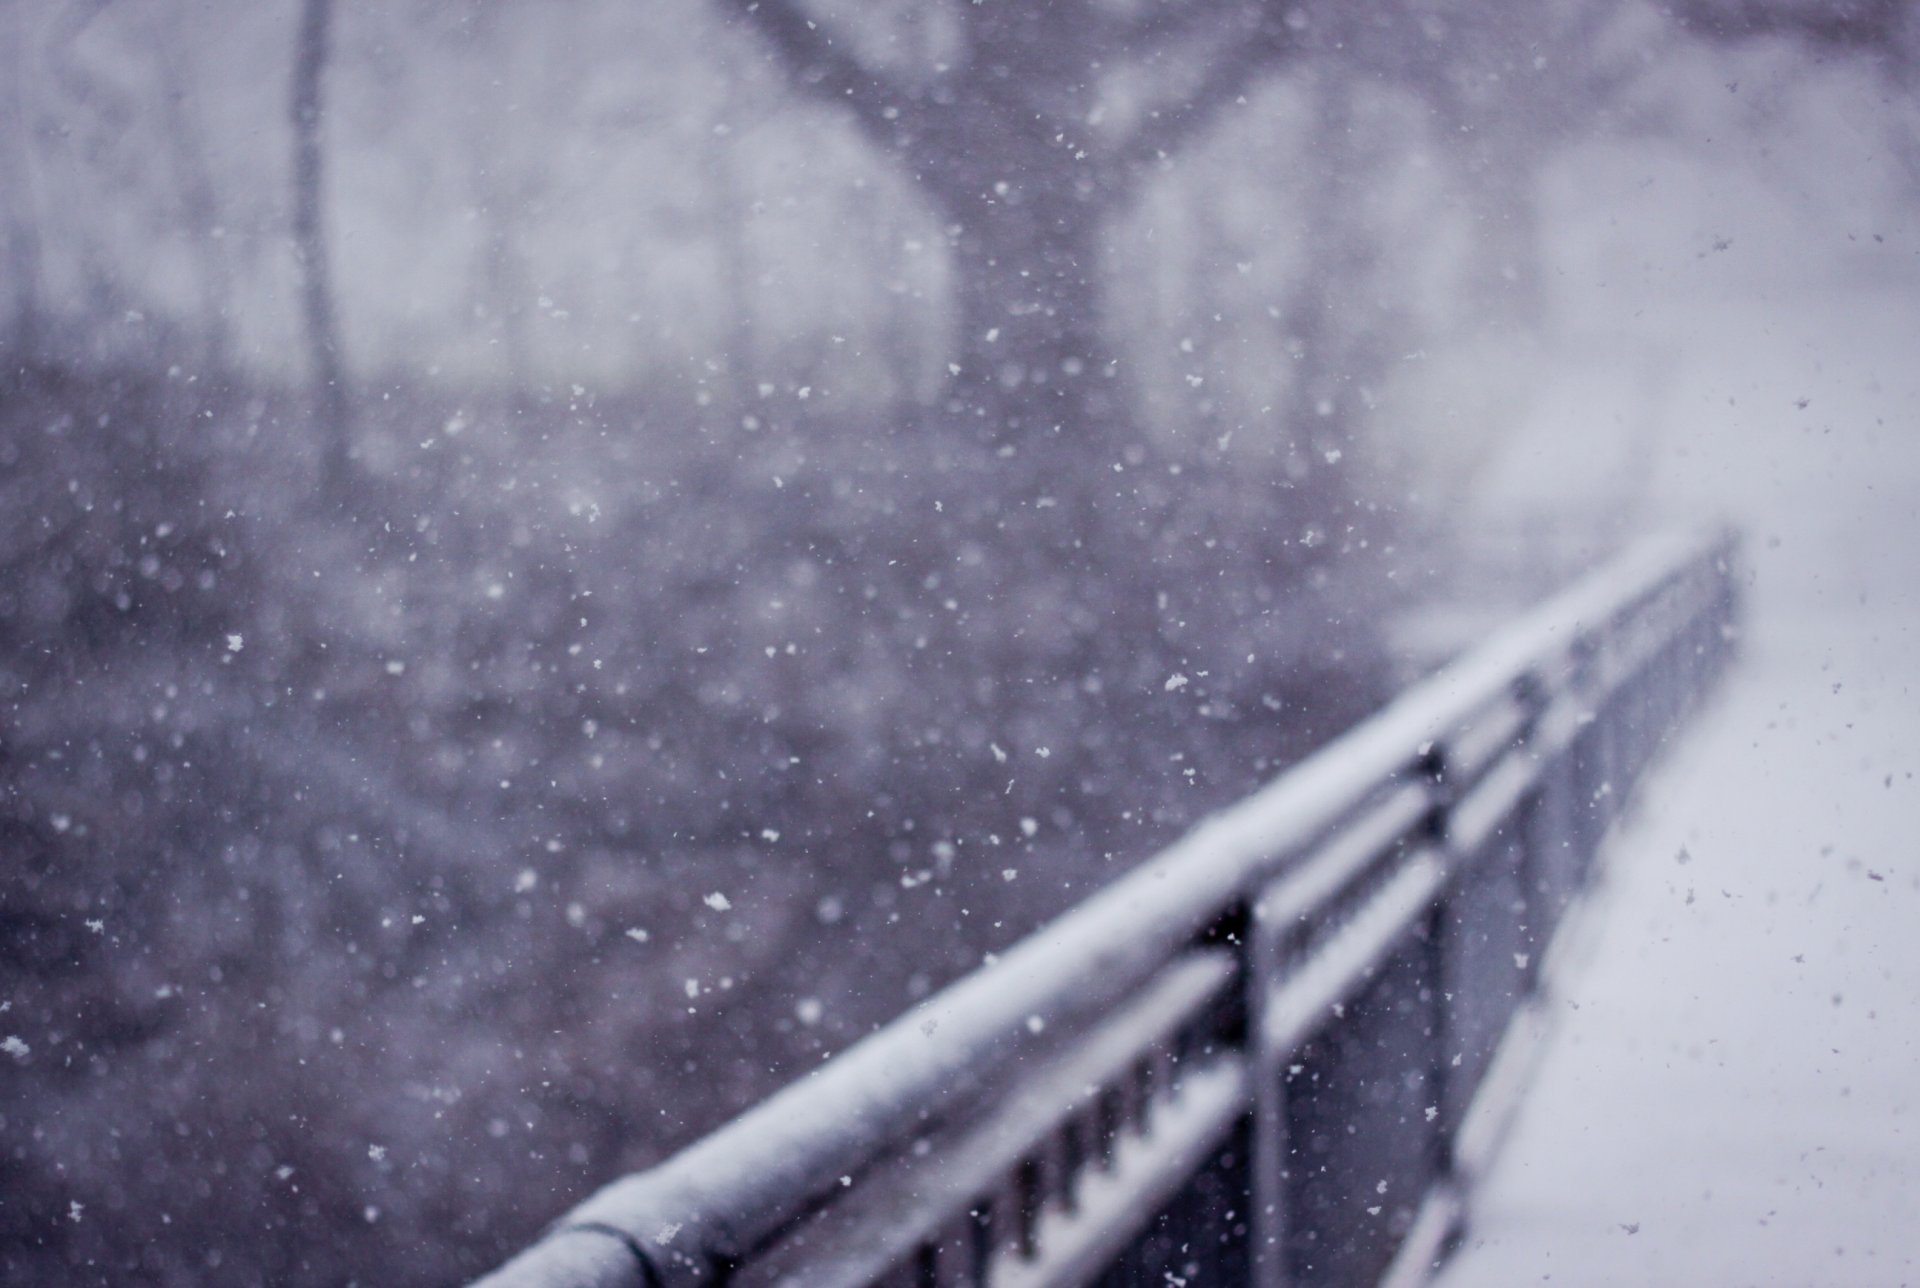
[(502, 274), (732, 223), (310, 249), (1031, 350), (22, 196), (503, 180), (1319, 321), (23, 256), (1338, 341), (199, 200)]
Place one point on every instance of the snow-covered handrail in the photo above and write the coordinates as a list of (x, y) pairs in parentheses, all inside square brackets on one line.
[(1303, 994)]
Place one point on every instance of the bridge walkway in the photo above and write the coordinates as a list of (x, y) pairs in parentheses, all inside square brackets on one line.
[(1730, 1094)]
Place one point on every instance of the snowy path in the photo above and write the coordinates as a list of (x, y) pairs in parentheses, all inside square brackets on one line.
[(1732, 1091)]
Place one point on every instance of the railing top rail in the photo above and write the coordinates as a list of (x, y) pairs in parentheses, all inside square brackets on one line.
[(728, 1192)]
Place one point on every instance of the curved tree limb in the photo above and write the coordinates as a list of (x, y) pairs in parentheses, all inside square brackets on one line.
[(1843, 24), (1266, 40), (829, 71), (1884, 32)]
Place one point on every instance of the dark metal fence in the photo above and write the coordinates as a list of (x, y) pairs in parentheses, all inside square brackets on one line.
[(1271, 1055)]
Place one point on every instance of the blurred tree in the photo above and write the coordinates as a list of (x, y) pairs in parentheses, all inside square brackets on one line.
[(307, 106), (510, 174), (197, 199), (1507, 90), (18, 197), (1326, 333), (1027, 128)]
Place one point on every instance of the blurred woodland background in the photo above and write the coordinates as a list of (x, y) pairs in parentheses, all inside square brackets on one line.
[(561, 561)]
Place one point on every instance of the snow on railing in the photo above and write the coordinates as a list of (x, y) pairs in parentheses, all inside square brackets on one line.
[(1273, 1054)]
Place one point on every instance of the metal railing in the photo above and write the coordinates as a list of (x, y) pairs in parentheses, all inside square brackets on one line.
[(1270, 1055)]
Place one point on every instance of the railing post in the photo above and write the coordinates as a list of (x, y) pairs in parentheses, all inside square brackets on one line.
[(1268, 1233), (1441, 1024)]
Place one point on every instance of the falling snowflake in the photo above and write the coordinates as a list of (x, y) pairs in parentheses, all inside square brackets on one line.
[(717, 901)]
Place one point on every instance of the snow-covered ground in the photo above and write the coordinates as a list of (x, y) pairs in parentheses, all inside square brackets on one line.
[(1732, 1092)]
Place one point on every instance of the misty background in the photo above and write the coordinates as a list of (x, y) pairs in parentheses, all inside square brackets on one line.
[(560, 562)]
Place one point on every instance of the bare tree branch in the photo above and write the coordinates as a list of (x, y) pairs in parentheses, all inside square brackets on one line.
[(828, 70), (114, 106), (1263, 42), (1843, 24), (1167, 20)]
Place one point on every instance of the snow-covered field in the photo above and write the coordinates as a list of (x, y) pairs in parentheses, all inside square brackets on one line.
[(1732, 1092)]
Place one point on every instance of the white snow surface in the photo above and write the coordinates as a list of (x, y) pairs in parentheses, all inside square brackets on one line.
[(1730, 1095)]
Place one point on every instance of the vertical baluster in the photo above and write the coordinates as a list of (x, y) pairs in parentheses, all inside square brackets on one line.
[(1069, 1153), (1110, 1118), (1272, 1177), (1179, 1056), (954, 1259), (1270, 948), (1029, 1202), (913, 1272), (1146, 1080), (995, 1229), (1445, 1035)]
